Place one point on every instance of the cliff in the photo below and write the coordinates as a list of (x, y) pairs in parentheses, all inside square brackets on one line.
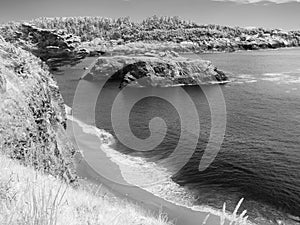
[(155, 70), (32, 113), (55, 47)]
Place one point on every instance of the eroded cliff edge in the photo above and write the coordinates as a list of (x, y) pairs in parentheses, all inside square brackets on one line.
[(53, 46), (32, 113)]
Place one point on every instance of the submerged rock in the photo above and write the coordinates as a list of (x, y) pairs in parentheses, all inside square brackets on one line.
[(33, 115), (155, 71)]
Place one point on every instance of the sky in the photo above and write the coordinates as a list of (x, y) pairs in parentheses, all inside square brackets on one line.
[(283, 14)]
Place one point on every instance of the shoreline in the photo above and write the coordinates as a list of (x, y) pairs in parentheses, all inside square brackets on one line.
[(239, 51), (175, 212), (79, 71), (183, 51)]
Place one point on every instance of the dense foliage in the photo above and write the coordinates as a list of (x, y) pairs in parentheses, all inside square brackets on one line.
[(32, 115), (89, 28), (165, 29)]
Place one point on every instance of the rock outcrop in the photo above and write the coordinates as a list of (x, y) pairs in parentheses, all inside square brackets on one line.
[(32, 113), (153, 70), (55, 47)]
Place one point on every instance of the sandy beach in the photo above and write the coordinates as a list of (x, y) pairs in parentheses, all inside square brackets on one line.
[(88, 144)]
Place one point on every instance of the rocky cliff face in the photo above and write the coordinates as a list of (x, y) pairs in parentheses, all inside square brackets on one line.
[(32, 113), (55, 47), (155, 70)]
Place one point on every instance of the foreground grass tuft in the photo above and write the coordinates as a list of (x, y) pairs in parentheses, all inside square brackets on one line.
[(28, 197)]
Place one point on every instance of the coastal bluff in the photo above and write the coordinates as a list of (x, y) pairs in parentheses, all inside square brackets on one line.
[(67, 40), (167, 33), (33, 120), (54, 46), (155, 70)]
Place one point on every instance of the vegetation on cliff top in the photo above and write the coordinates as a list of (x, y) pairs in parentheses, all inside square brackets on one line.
[(152, 28), (169, 29), (65, 40)]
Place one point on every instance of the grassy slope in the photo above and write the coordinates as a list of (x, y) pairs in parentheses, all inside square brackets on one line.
[(32, 115), (30, 197), (31, 132), (26, 195)]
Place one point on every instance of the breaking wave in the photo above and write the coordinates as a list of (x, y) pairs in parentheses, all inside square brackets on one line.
[(290, 77), (147, 175)]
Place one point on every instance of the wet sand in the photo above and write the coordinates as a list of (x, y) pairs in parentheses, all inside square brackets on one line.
[(89, 145)]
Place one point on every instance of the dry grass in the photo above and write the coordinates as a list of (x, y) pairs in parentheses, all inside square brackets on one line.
[(28, 197), (234, 218)]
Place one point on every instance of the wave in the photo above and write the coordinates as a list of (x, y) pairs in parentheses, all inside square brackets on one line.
[(104, 136), (282, 78), (251, 81), (274, 79), (244, 78), (291, 77), (147, 175), (273, 74), (156, 180)]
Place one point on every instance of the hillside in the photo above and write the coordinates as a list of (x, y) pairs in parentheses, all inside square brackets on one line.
[(38, 184), (29, 197), (169, 30), (32, 113)]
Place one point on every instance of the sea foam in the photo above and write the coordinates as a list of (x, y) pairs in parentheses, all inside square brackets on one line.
[(147, 175)]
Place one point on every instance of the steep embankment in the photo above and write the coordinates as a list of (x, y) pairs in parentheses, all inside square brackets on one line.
[(32, 122), (30, 197), (155, 70), (32, 113)]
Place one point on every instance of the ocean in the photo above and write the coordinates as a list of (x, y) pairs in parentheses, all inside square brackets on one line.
[(258, 159)]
